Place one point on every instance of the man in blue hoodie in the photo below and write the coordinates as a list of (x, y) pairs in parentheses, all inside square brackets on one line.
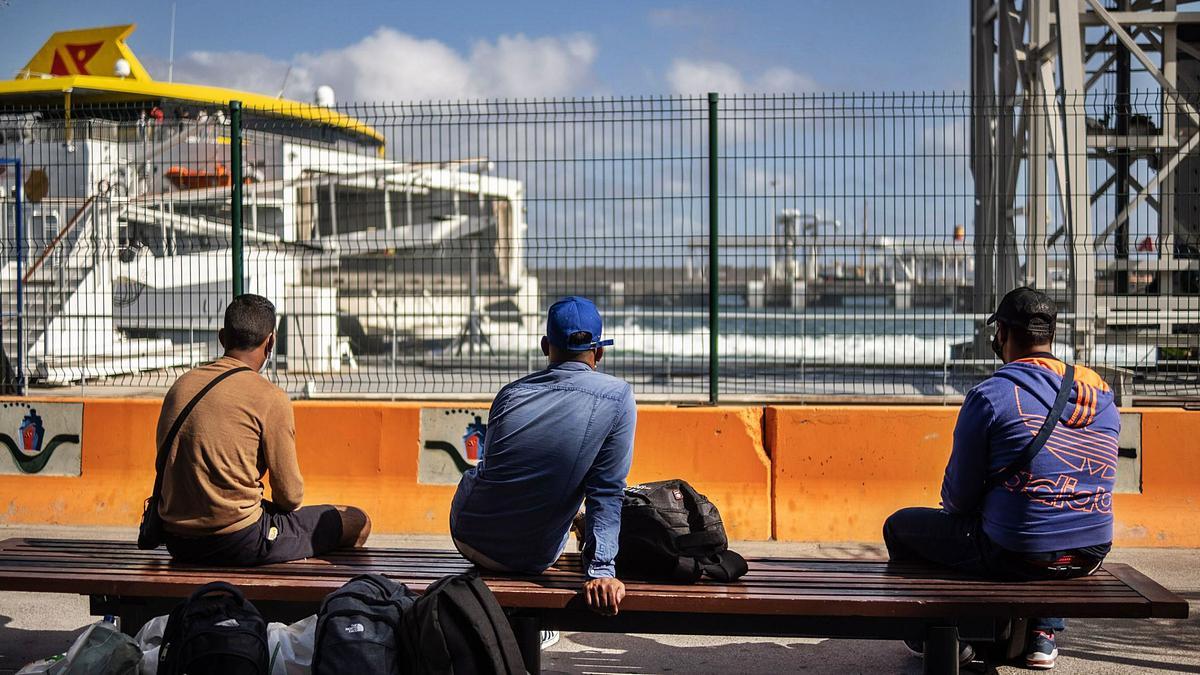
[(1054, 519)]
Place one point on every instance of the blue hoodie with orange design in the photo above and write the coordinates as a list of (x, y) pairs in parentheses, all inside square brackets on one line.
[(1063, 499)]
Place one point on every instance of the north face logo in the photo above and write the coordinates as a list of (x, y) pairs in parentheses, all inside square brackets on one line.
[(355, 628)]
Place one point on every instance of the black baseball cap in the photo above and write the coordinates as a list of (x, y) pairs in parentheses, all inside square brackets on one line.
[(1027, 308)]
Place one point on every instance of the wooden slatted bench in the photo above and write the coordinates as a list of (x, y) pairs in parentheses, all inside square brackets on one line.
[(780, 597)]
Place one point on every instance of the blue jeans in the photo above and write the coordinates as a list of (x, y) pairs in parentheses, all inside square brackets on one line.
[(958, 541)]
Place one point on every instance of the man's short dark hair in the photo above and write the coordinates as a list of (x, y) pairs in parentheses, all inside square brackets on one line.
[(1026, 339), (249, 319), (579, 339)]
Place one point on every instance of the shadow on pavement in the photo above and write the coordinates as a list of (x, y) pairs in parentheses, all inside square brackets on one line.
[(1142, 644), (609, 653), (16, 643), (1108, 645)]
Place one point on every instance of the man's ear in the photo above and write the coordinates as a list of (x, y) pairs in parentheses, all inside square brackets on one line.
[(545, 346), (599, 354), (270, 343), (221, 337), (1001, 333)]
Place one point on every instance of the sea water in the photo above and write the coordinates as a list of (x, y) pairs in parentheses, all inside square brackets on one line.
[(858, 335)]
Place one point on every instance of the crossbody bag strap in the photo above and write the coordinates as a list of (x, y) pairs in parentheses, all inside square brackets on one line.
[(1035, 446), (160, 462)]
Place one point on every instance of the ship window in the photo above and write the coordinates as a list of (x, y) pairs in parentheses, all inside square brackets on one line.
[(47, 224)]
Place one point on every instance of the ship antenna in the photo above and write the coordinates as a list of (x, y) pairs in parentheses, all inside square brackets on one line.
[(283, 86), (171, 58)]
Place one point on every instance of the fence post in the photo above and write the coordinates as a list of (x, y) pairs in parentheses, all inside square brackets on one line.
[(20, 213), (235, 205), (714, 267)]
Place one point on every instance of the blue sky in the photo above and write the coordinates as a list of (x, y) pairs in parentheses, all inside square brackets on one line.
[(412, 50)]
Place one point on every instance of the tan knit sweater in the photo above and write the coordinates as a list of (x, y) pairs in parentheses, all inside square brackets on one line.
[(241, 430)]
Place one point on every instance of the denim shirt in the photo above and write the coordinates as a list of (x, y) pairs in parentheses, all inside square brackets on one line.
[(554, 438)]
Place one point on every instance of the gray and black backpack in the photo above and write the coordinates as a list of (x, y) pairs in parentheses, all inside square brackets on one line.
[(359, 626)]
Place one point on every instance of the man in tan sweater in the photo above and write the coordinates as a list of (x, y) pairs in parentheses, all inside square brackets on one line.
[(212, 503)]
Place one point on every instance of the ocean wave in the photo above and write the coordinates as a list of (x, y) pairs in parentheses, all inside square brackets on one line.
[(832, 349)]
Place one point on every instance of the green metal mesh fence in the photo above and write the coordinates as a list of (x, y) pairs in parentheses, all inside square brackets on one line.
[(413, 249)]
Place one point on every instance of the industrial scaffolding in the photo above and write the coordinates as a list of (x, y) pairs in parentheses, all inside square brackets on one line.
[(1085, 120)]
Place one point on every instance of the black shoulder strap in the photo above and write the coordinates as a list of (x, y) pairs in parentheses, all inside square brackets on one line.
[(478, 605), (161, 462), (1043, 434), (725, 566), (507, 654)]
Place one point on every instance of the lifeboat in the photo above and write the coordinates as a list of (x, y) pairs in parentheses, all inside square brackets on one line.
[(192, 179)]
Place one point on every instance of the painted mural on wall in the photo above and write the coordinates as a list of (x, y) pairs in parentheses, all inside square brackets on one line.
[(452, 441), (41, 438)]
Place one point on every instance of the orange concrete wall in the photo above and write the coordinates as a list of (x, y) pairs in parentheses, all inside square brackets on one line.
[(117, 468), (840, 471), (822, 473), (1167, 512), (366, 454), (719, 451)]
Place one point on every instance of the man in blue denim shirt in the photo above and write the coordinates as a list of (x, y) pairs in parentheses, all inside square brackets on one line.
[(555, 438)]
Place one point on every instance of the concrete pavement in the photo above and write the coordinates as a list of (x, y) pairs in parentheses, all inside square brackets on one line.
[(33, 626)]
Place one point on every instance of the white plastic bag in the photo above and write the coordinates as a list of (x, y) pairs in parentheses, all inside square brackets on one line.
[(149, 639), (291, 647)]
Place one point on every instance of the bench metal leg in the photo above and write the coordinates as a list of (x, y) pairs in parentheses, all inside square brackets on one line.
[(941, 651), (131, 613), (528, 631)]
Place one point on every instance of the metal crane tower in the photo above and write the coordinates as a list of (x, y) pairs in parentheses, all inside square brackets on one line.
[(1085, 122)]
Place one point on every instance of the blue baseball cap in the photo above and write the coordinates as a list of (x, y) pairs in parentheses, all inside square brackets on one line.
[(572, 315)]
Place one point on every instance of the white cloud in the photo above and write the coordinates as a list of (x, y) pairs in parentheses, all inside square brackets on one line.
[(947, 138), (695, 77), (237, 70), (783, 80), (520, 66), (392, 66)]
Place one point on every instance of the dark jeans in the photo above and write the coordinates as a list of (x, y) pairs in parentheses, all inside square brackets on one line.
[(277, 536), (957, 541)]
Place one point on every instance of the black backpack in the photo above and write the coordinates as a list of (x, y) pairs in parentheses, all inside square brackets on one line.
[(670, 532), (358, 628), (457, 628), (216, 631)]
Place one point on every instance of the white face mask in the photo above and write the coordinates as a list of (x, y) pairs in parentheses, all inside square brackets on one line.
[(270, 353)]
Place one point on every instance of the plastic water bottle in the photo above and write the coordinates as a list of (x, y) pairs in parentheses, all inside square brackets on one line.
[(114, 620)]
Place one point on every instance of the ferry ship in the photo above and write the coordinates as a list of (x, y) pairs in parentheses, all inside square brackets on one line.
[(125, 256)]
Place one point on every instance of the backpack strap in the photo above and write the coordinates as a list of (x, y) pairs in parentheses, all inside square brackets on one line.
[(508, 649), (725, 566), (160, 462), (213, 587), (700, 539), (470, 595), (687, 570), (1035, 445), (421, 625)]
